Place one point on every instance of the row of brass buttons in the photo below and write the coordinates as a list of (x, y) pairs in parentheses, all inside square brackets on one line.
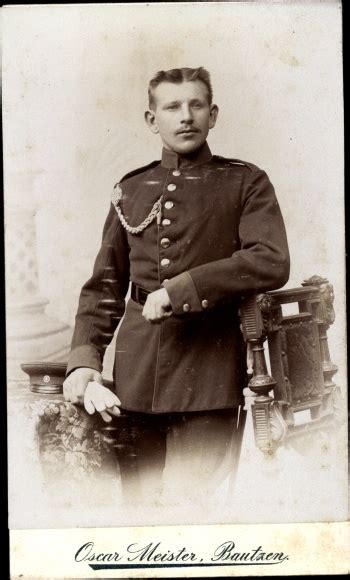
[(165, 242)]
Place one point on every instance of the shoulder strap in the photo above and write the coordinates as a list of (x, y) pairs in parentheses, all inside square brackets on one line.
[(139, 170), (229, 161)]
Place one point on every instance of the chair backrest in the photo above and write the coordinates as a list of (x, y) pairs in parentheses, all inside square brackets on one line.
[(301, 369)]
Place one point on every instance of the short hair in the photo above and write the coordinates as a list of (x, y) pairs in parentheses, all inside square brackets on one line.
[(179, 75)]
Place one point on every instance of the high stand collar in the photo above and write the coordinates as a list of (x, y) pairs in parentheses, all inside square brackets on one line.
[(173, 160)]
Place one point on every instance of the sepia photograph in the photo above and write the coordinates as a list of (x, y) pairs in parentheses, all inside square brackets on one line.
[(175, 276)]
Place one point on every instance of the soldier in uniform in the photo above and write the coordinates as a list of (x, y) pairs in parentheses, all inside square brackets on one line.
[(192, 233)]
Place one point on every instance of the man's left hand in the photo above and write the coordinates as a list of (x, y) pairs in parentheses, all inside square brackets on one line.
[(157, 306)]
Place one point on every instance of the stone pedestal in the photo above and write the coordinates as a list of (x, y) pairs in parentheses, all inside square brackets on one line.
[(31, 334)]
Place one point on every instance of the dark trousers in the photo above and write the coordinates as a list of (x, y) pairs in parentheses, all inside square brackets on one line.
[(178, 453)]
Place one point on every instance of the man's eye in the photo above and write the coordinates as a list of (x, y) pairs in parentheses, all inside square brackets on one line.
[(197, 106), (172, 107)]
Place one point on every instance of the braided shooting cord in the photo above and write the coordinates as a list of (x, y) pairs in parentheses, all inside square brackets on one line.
[(154, 213)]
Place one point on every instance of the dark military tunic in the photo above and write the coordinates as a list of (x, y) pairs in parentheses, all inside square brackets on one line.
[(220, 235)]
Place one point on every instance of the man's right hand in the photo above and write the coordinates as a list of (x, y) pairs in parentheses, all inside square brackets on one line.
[(85, 385), (74, 386)]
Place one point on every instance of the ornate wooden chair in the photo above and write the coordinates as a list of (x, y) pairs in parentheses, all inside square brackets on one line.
[(301, 377)]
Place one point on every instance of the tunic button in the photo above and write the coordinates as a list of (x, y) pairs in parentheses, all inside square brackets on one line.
[(205, 303), (165, 242), (166, 222), (176, 172), (171, 187), (169, 204), (165, 262), (186, 307)]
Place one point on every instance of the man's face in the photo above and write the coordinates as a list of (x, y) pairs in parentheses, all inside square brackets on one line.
[(182, 115)]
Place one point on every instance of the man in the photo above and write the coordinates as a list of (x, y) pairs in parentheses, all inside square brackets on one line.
[(193, 233)]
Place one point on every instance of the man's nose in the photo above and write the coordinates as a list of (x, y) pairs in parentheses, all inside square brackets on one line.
[(187, 116)]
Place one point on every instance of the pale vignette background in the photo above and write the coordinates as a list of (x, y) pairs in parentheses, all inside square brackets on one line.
[(75, 87)]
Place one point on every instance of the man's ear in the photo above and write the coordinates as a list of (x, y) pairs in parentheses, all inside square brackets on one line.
[(214, 111), (150, 119)]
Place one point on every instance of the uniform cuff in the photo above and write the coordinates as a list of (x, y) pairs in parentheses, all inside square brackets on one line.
[(84, 356), (183, 294)]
